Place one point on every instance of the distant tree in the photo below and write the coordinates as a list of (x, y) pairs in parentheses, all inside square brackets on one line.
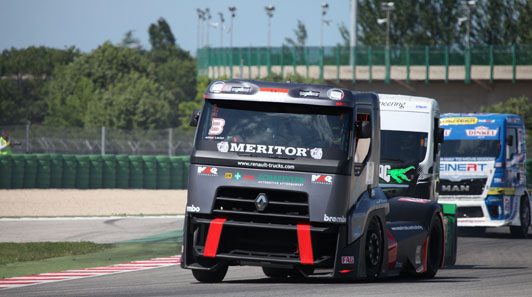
[(496, 22), (130, 42), (134, 101), (344, 33), (160, 35), (23, 74), (301, 36), (187, 108), (76, 85), (524, 23)]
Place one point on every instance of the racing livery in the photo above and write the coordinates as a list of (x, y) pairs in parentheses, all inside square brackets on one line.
[(482, 170), (285, 176)]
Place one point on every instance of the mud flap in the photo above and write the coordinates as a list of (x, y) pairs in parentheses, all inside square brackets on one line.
[(449, 217)]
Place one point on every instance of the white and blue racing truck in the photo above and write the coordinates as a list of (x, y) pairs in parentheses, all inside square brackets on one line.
[(482, 170)]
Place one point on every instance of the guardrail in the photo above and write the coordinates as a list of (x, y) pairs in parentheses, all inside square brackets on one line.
[(370, 62), (46, 171)]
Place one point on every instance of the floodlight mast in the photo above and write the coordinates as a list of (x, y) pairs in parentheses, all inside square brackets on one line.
[(269, 12)]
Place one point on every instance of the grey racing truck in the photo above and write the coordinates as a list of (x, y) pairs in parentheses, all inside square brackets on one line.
[(286, 176)]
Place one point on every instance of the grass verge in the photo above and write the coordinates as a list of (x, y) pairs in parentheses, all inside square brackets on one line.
[(116, 254)]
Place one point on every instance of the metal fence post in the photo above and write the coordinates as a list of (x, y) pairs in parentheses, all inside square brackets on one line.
[(353, 64), (249, 62), (338, 63), (170, 141), (491, 64), (407, 64), (387, 62), (427, 65), (103, 140), (28, 137), (281, 61), (514, 62), (446, 64), (468, 66), (306, 59), (321, 63), (370, 65), (294, 57), (269, 61)]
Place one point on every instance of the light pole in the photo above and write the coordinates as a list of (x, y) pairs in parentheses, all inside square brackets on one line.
[(201, 16), (388, 7), (221, 29), (232, 9), (324, 8), (467, 5), (207, 25), (269, 12)]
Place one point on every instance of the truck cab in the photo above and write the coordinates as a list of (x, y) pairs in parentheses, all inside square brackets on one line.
[(285, 176), (482, 170)]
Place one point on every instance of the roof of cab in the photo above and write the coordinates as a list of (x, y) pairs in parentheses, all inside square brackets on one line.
[(252, 90)]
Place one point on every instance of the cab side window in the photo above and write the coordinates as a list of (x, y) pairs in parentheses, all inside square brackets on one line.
[(511, 142), (362, 135)]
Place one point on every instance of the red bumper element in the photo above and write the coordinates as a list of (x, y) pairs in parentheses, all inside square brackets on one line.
[(305, 244), (392, 250), (213, 237)]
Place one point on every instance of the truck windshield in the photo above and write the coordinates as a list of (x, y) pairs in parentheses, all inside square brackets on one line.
[(471, 148), (275, 130), (403, 146)]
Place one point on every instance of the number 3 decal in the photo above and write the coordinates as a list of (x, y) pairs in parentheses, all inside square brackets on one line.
[(217, 126)]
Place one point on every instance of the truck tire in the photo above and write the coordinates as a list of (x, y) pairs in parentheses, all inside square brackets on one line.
[(435, 248), (524, 218), (210, 276), (374, 248), (275, 272)]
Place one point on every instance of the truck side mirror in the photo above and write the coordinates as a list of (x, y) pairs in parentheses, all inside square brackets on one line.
[(194, 118), (440, 135), (364, 129)]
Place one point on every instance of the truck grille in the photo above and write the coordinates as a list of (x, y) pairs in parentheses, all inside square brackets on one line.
[(282, 206), (473, 186)]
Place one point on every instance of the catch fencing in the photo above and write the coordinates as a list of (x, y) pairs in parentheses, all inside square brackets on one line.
[(55, 140)]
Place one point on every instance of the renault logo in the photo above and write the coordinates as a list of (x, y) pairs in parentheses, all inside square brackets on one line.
[(261, 202)]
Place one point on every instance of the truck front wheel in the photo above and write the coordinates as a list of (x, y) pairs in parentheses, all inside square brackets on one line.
[(435, 248), (524, 218), (210, 276), (374, 248)]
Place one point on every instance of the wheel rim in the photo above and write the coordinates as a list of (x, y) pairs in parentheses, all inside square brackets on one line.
[(373, 246)]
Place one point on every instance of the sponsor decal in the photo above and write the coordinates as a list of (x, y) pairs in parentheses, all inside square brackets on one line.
[(455, 188), (327, 218), (224, 147), (228, 175), (348, 260), (421, 107), (322, 179), (481, 131), (207, 171), (399, 175), (464, 167), (407, 228), (217, 126), (396, 104), (244, 90), (266, 165), (415, 200), (507, 204), (238, 176), (447, 132), (309, 94), (281, 180), (458, 121), (486, 121), (193, 208)]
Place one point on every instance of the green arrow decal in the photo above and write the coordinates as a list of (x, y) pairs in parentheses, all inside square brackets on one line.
[(399, 174)]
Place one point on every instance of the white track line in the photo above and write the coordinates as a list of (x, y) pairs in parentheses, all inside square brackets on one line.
[(44, 278)]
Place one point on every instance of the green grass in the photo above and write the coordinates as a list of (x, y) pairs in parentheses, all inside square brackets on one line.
[(19, 259), (11, 252)]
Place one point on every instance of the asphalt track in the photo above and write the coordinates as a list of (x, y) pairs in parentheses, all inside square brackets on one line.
[(494, 264)]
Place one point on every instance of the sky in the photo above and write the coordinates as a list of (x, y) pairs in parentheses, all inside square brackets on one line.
[(86, 24)]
